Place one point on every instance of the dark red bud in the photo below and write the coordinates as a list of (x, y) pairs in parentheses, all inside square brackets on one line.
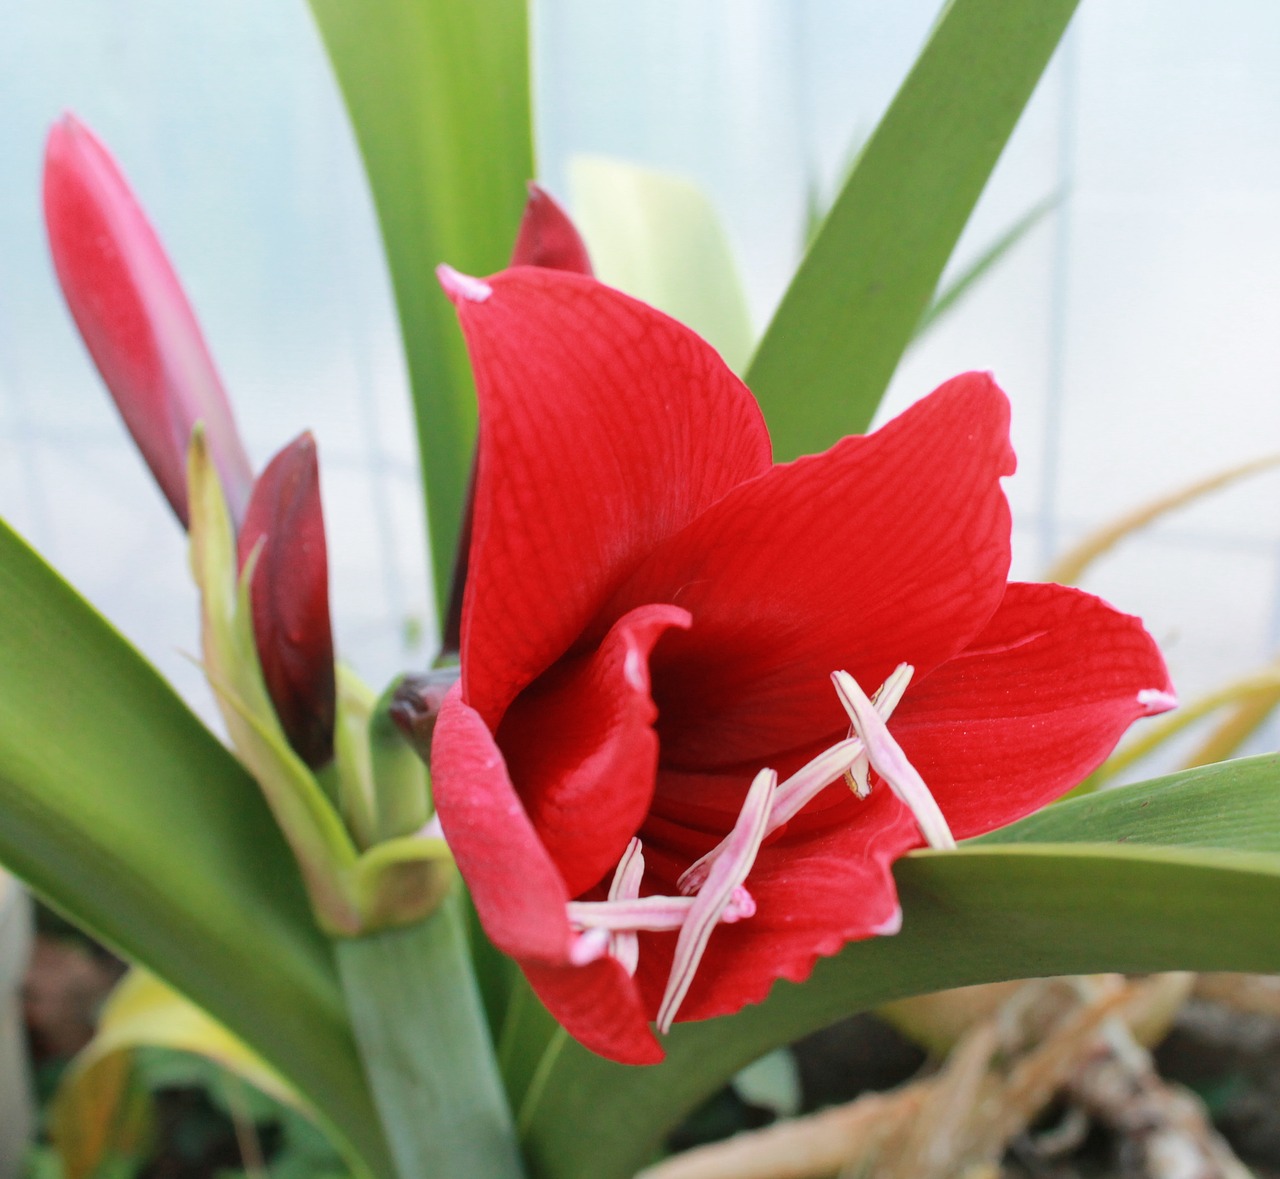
[(289, 595)]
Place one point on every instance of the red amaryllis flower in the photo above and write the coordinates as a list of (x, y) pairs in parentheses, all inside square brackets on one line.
[(658, 796)]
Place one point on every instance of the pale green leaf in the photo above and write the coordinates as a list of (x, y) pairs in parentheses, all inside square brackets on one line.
[(142, 1012), (950, 296), (658, 238), (1072, 565)]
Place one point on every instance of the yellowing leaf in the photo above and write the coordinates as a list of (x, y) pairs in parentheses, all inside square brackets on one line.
[(98, 1111)]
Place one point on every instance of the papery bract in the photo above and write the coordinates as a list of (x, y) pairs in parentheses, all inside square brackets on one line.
[(652, 616), (134, 317), (283, 532)]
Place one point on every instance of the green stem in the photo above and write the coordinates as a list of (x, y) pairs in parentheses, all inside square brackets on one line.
[(426, 1049)]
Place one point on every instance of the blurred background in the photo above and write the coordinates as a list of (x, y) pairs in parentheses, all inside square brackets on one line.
[(1134, 328)]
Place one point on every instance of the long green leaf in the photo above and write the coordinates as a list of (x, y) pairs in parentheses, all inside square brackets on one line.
[(120, 808), (438, 93), (849, 314), (1233, 804), (998, 909)]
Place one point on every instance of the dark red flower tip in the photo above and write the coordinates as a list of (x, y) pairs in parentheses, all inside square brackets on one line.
[(548, 237), (134, 317), (289, 595)]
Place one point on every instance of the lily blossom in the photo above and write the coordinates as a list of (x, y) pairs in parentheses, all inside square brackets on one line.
[(283, 535), (134, 317), (652, 617)]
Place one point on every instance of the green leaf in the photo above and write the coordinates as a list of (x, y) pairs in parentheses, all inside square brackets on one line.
[(996, 909), (425, 1041), (438, 94), (1233, 804), (853, 307), (658, 238), (121, 809)]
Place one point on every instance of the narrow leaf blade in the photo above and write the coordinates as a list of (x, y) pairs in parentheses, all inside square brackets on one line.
[(853, 307), (438, 94), (120, 808)]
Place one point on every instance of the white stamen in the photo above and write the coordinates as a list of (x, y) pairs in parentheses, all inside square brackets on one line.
[(889, 761), (652, 914), (625, 946), (794, 794), (886, 698), (789, 799), (587, 947), (724, 882)]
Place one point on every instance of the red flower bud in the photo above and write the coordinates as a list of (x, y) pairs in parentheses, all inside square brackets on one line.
[(289, 595), (134, 318)]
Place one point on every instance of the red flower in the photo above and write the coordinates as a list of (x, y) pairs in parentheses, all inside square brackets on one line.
[(653, 615)]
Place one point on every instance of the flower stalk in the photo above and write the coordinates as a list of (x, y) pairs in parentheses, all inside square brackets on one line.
[(422, 1036)]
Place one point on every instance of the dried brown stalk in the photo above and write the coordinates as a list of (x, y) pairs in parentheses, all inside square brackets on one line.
[(1051, 1036)]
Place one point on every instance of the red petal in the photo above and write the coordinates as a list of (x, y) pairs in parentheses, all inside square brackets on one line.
[(580, 747), (888, 548), (548, 237), (605, 426), (599, 1006), (816, 888), (134, 318), (1037, 702), (290, 597), (519, 893)]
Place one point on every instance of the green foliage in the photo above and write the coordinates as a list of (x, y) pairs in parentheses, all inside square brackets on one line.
[(438, 94), (122, 810), (858, 298)]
